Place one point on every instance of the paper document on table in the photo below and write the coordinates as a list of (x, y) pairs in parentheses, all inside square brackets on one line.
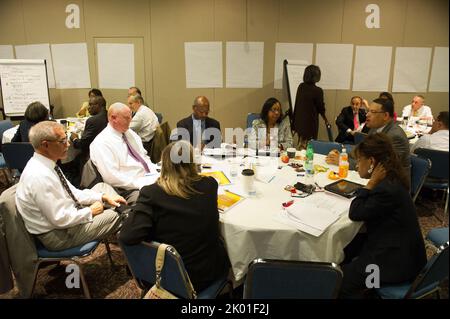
[(283, 218), (333, 203), (309, 217), (220, 177), (226, 200)]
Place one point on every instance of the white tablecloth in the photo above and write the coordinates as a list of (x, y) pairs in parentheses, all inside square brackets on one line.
[(251, 229)]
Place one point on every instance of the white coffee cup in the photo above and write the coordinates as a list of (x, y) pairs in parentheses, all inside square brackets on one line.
[(248, 181)]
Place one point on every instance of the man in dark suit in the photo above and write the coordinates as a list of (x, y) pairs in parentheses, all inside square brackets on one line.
[(350, 121), (94, 125), (380, 119), (198, 128)]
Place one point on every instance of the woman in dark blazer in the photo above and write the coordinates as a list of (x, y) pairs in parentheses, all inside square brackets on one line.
[(394, 241), (346, 121), (36, 112), (308, 105), (180, 209)]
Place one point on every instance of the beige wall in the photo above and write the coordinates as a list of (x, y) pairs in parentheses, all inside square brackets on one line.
[(159, 28)]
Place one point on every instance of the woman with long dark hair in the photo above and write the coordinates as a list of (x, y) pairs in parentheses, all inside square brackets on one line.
[(393, 241), (272, 128), (36, 112)]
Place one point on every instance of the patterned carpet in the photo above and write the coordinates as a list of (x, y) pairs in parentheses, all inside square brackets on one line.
[(114, 283)]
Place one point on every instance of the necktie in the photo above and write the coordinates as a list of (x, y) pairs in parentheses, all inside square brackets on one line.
[(66, 187), (135, 154), (355, 121)]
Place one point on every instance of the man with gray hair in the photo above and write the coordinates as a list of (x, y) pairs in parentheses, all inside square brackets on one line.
[(119, 155), (58, 214), (144, 122)]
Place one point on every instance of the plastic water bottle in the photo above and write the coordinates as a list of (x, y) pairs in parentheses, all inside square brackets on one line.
[(343, 164), (309, 164)]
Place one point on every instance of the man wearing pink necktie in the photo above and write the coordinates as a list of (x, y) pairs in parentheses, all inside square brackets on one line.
[(351, 120)]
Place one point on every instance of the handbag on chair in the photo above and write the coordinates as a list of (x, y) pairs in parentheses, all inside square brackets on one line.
[(157, 291)]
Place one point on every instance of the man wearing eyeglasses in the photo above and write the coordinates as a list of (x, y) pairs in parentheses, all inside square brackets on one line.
[(58, 214), (380, 119)]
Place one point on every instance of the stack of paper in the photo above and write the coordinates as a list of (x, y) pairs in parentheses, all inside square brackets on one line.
[(314, 214)]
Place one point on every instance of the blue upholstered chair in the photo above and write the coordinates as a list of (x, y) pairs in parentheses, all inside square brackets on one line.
[(324, 147), (73, 255), (438, 175), (17, 156), (426, 283), (174, 277), (359, 137), (4, 125), (438, 236), (419, 172), (279, 279), (251, 117)]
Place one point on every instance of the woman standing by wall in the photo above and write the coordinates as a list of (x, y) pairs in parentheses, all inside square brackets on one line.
[(308, 105)]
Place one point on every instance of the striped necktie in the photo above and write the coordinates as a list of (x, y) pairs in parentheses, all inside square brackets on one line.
[(66, 187)]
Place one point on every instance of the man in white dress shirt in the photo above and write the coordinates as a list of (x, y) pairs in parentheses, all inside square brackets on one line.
[(59, 214), (437, 138), (417, 110), (120, 157), (144, 122)]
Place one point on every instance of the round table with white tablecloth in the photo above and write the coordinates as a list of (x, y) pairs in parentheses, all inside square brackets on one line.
[(252, 228)]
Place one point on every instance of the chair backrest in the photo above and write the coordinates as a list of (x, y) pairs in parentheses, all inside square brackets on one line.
[(434, 272), (439, 162), (324, 147), (17, 155), (251, 117), (160, 140), (21, 248), (359, 137), (330, 133), (276, 279), (90, 175), (419, 172), (4, 125), (141, 260), (159, 116)]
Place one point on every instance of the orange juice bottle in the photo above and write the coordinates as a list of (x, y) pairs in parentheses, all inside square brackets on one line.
[(343, 164)]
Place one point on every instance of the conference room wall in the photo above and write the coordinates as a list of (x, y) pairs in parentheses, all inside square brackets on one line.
[(164, 26)]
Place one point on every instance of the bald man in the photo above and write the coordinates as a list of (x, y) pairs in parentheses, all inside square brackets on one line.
[(119, 155), (417, 110), (200, 127)]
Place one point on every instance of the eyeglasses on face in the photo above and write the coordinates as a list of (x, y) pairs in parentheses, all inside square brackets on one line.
[(275, 110), (374, 112), (62, 141)]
